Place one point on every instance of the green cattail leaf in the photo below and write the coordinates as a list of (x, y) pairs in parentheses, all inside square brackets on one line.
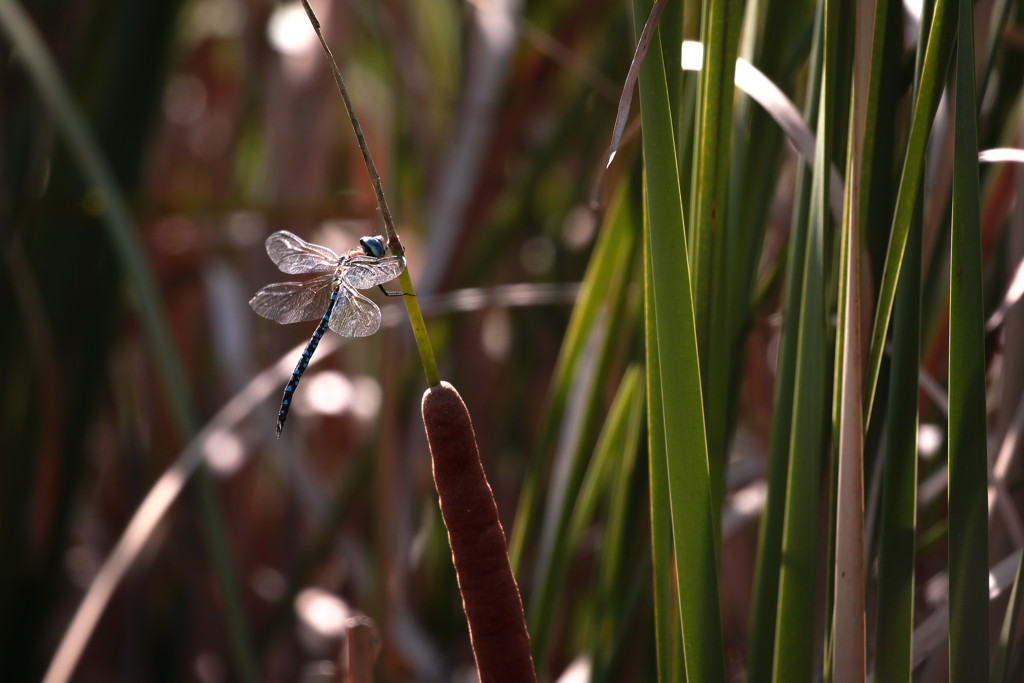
[(682, 408), (968, 470)]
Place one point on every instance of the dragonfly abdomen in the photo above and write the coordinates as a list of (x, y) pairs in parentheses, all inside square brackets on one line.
[(307, 353)]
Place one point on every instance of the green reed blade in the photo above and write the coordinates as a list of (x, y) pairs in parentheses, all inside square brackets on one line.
[(968, 470), (683, 412)]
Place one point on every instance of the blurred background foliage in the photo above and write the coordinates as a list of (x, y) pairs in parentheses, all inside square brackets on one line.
[(489, 121)]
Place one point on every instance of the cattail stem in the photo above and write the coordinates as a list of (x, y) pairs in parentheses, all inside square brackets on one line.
[(394, 243), (490, 597)]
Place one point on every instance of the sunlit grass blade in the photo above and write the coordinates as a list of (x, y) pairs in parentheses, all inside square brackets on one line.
[(685, 445), (794, 636), (720, 30), (968, 471), (941, 37), (596, 282), (894, 623), (661, 516), (761, 641), (32, 52)]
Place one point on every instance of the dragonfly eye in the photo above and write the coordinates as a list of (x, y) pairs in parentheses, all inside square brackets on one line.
[(372, 246)]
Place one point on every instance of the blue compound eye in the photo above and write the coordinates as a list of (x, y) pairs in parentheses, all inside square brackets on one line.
[(372, 246)]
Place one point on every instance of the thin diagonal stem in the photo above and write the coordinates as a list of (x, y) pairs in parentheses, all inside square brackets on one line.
[(419, 329), (394, 244)]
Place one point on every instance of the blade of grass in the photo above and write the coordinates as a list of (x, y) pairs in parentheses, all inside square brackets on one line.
[(626, 99), (894, 623), (661, 517), (720, 30), (794, 636), (941, 37), (682, 409), (596, 283), (761, 644), (33, 53), (968, 471)]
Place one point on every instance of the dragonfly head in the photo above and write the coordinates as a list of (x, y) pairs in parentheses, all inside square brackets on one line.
[(373, 246)]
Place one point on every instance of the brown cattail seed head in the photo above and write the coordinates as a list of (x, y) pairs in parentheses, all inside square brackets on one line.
[(490, 596)]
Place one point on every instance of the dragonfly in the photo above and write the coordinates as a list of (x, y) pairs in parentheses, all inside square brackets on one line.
[(333, 297)]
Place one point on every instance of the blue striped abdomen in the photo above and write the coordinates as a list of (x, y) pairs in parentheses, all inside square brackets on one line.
[(300, 367)]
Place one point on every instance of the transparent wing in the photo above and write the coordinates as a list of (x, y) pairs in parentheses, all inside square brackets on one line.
[(354, 315), (294, 255), (366, 272), (293, 302)]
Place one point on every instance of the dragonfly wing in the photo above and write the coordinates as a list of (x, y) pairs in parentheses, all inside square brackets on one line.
[(293, 302), (354, 315), (294, 255), (366, 272)]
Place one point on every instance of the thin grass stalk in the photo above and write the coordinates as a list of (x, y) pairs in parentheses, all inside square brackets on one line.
[(419, 328), (941, 38), (657, 469), (33, 53), (968, 469), (683, 413), (720, 32), (794, 636), (761, 643), (894, 623)]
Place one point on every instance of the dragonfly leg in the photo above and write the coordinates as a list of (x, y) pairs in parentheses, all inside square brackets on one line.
[(387, 293)]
